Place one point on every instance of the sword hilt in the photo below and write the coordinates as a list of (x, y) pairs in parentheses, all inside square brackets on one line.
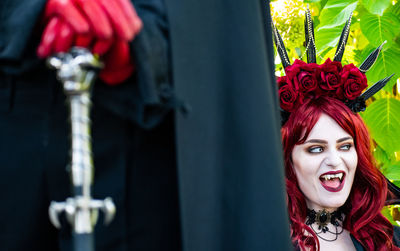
[(77, 70)]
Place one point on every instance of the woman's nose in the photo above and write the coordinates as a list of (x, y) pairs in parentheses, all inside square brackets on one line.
[(333, 158)]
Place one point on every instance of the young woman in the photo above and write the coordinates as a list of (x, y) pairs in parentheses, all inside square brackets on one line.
[(335, 193)]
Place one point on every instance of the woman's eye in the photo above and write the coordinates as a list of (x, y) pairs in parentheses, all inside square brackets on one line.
[(345, 147), (315, 149)]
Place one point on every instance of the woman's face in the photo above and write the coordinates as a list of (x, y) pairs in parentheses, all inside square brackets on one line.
[(325, 165)]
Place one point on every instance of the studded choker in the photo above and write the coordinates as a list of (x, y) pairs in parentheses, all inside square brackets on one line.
[(322, 218)]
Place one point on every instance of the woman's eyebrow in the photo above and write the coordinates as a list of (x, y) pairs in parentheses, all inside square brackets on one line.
[(321, 141), (316, 141), (344, 139)]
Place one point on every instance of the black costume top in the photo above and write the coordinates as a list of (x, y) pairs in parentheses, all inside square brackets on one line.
[(207, 177)]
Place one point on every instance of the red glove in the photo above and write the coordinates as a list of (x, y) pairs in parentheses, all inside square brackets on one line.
[(121, 67), (104, 26)]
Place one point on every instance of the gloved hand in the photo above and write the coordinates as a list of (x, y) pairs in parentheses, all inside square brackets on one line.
[(103, 26), (120, 65)]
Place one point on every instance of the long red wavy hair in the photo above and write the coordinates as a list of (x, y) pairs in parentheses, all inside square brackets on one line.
[(366, 200)]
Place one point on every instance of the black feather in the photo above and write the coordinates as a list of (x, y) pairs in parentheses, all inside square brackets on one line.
[(343, 40), (280, 46), (310, 41), (375, 88), (371, 59)]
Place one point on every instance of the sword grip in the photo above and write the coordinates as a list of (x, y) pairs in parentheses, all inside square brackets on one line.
[(81, 147)]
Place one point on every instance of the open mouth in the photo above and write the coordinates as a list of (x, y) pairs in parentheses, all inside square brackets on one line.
[(332, 181)]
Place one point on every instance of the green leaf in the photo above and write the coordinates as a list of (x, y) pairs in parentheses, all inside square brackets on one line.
[(332, 19), (383, 120), (393, 171), (387, 63), (336, 12), (321, 4), (327, 38), (311, 1), (395, 9), (378, 29), (386, 212), (376, 6), (382, 158)]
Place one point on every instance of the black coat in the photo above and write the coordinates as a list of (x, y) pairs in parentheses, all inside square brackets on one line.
[(206, 177), (228, 146)]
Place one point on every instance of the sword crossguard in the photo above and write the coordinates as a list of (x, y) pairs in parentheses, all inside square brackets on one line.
[(78, 207)]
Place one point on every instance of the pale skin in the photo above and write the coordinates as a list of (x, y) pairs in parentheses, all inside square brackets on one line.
[(328, 150)]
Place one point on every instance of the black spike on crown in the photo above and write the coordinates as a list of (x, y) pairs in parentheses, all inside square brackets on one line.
[(343, 40), (310, 41), (371, 59), (280, 47)]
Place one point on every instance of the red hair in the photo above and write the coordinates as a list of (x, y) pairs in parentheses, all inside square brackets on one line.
[(366, 200)]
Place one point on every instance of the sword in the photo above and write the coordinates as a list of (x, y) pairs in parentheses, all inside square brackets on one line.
[(77, 70)]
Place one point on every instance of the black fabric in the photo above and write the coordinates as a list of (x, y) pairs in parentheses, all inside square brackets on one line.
[(357, 244), (229, 153), (18, 21), (133, 142), (134, 166), (147, 102), (396, 236)]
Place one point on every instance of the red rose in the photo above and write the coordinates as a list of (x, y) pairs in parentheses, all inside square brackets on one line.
[(339, 93), (292, 71), (353, 81), (303, 76), (287, 94), (307, 81), (330, 75), (282, 81)]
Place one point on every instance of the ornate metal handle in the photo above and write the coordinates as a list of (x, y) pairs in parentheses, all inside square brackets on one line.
[(77, 70)]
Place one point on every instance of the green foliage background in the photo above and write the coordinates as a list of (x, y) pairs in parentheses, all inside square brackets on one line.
[(373, 23)]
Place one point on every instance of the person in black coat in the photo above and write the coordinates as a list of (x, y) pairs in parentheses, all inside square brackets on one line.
[(188, 146), (133, 142)]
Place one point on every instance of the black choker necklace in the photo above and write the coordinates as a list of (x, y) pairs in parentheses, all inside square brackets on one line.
[(323, 218)]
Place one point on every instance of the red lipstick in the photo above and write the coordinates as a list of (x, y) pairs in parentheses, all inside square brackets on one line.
[(330, 188)]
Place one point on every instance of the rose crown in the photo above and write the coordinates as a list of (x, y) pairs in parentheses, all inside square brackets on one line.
[(310, 80)]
